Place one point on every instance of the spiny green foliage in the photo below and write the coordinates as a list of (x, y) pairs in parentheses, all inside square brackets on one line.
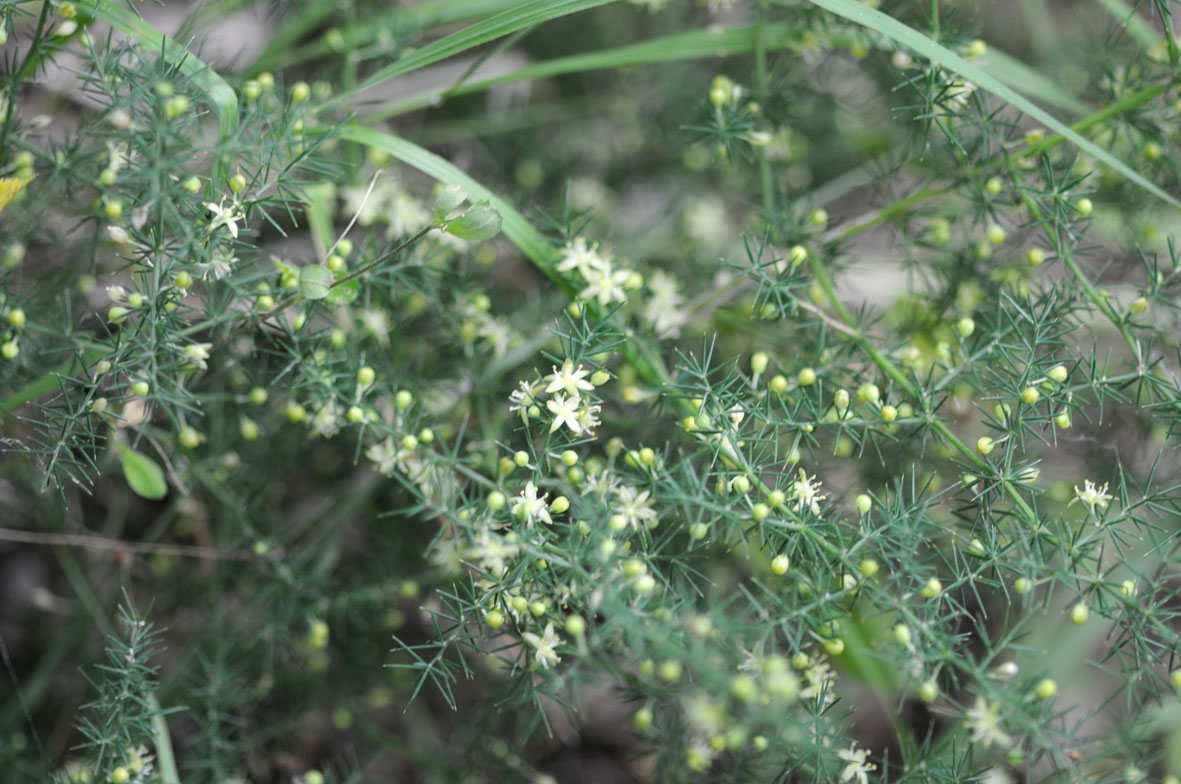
[(617, 410)]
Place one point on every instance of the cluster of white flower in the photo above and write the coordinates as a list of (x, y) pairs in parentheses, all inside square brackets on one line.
[(604, 281), (568, 404)]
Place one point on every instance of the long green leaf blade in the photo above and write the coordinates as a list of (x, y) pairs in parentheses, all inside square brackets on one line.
[(1131, 21), (709, 43), (514, 225), (892, 28), (527, 14)]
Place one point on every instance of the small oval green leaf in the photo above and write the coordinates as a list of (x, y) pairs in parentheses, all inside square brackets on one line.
[(449, 198), (315, 281), (143, 475), (344, 293), (479, 223)]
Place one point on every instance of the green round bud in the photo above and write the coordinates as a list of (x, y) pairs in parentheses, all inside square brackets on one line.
[(670, 670), (864, 504), (575, 625), (1079, 614), (778, 384), (1035, 256), (1030, 395), (818, 217), (806, 377), (496, 500), (1138, 306), (404, 399), (779, 564), (1058, 373), (760, 511), (1084, 206), (889, 413), (902, 634), (300, 92), (928, 691), (965, 327), (237, 183), (869, 567), (559, 504), (834, 646), (1046, 689), (1062, 421), (258, 396), (494, 618), (758, 363), (1022, 585), (984, 445), (775, 499), (994, 186), (600, 377)]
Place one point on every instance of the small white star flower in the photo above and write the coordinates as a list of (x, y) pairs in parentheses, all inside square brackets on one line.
[(985, 725), (565, 411), (545, 645), (805, 491), (522, 397), (491, 551), (606, 284), (1092, 496), (633, 506), (577, 255), (857, 766), (224, 215), (571, 379), (528, 506)]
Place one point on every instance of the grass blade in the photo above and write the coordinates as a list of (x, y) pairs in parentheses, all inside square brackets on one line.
[(1140, 30), (527, 14), (710, 43), (888, 26), (514, 225)]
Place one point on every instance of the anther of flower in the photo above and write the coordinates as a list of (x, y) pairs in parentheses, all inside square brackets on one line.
[(571, 379), (805, 491), (545, 645), (528, 506), (983, 720)]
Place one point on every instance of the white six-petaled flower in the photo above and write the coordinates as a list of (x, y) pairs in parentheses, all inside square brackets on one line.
[(565, 411), (528, 506), (224, 215), (571, 379), (983, 720), (857, 767), (1092, 496), (545, 645), (805, 491), (633, 506)]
